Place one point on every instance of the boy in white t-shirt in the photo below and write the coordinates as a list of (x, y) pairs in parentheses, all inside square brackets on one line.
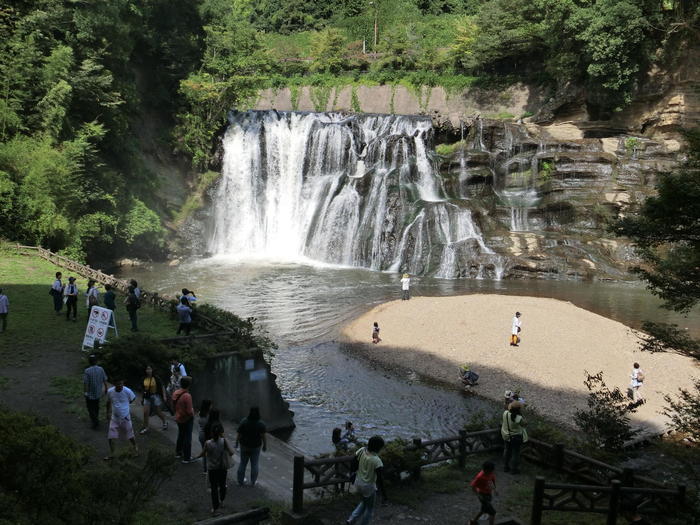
[(119, 399), (405, 285)]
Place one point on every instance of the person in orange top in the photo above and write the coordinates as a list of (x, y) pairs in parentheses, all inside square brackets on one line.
[(484, 485), (184, 417)]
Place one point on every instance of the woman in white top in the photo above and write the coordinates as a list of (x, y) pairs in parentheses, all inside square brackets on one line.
[(637, 377), (405, 285), (92, 296), (515, 330)]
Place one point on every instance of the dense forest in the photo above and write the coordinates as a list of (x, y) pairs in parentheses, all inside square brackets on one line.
[(78, 77)]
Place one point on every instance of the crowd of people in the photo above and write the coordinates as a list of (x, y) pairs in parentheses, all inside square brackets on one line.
[(216, 451)]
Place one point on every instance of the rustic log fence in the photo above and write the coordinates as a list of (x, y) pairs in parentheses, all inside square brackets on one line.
[(599, 499), (336, 471), (156, 300)]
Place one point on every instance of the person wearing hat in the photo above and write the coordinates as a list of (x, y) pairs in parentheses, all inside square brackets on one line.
[(514, 435), (405, 284), (70, 293), (515, 330)]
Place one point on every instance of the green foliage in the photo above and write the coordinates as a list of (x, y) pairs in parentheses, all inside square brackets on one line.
[(631, 145), (606, 423), (684, 410), (354, 100), (448, 149), (69, 485), (665, 232), (397, 459), (328, 50), (249, 334), (195, 200), (546, 171)]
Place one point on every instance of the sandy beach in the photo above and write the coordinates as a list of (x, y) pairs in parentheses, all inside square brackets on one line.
[(432, 336)]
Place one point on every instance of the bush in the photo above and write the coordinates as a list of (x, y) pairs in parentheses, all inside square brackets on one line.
[(397, 459), (249, 334), (46, 477), (684, 410), (606, 423)]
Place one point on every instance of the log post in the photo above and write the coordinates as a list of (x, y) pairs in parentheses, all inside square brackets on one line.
[(462, 448), (538, 494), (614, 502), (298, 485), (558, 456), (418, 443)]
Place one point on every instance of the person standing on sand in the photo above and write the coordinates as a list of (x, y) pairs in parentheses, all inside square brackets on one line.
[(4, 310), (515, 330), (57, 292), (637, 377), (514, 435), (94, 387), (119, 398), (375, 333), (71, 294), (405, 285)]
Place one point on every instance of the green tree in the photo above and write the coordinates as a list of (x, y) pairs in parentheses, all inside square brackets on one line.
[(328, 51), (666, 232)]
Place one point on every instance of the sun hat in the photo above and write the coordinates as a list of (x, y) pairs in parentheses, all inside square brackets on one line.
[(405, 275)]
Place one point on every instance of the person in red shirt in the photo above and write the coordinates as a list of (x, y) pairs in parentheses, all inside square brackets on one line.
[(184, 417), (484, 485)]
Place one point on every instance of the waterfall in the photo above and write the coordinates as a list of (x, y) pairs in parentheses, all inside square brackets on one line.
[(358, 191)]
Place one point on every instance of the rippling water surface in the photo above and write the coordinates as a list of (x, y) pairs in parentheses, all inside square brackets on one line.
[(302, 306)]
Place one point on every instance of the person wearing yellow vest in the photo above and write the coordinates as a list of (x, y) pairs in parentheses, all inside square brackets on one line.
[(153, 396)]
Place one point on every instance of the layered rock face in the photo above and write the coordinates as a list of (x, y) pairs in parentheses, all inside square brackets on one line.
[(546, 203)]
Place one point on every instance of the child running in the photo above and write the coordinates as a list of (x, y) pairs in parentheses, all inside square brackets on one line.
[(484, 485), (375, 333)]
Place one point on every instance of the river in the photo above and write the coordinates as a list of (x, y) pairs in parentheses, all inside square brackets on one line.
[(303, 305)]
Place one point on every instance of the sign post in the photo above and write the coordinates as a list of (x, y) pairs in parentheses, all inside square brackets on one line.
[(99, 323)]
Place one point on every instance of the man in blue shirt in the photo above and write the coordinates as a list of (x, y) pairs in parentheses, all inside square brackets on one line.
[(94, 386)]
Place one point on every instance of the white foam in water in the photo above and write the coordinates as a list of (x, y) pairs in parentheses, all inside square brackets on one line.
[(331, 189)]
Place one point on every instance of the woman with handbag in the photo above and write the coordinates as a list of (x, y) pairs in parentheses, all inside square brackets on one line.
[(153, 396), (368, 469), (514, 435), (218, 454)]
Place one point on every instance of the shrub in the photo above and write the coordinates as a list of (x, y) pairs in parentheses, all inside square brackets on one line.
[(397, 459), (684, 410), (606, 423), (46, 477)]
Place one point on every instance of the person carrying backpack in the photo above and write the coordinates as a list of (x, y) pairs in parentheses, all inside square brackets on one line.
[(637, 377), (132, 305)]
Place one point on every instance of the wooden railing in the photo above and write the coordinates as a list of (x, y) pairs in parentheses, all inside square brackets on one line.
[(582, 467), (156, 300), (335, 471), (601, 499)]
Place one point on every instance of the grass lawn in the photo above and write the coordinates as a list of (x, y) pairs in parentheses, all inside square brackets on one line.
[(32, 325)]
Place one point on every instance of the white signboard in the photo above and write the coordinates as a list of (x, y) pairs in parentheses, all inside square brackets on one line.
[(101, 320)]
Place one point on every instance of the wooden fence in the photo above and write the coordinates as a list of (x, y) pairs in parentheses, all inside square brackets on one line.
[(601, 499), (335, 471), (156, 300)]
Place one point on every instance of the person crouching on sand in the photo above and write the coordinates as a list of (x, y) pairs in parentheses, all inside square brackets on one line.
[(375, 334), (515, 330)]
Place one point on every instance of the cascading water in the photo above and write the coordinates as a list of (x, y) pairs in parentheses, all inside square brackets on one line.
[(357, 191)]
